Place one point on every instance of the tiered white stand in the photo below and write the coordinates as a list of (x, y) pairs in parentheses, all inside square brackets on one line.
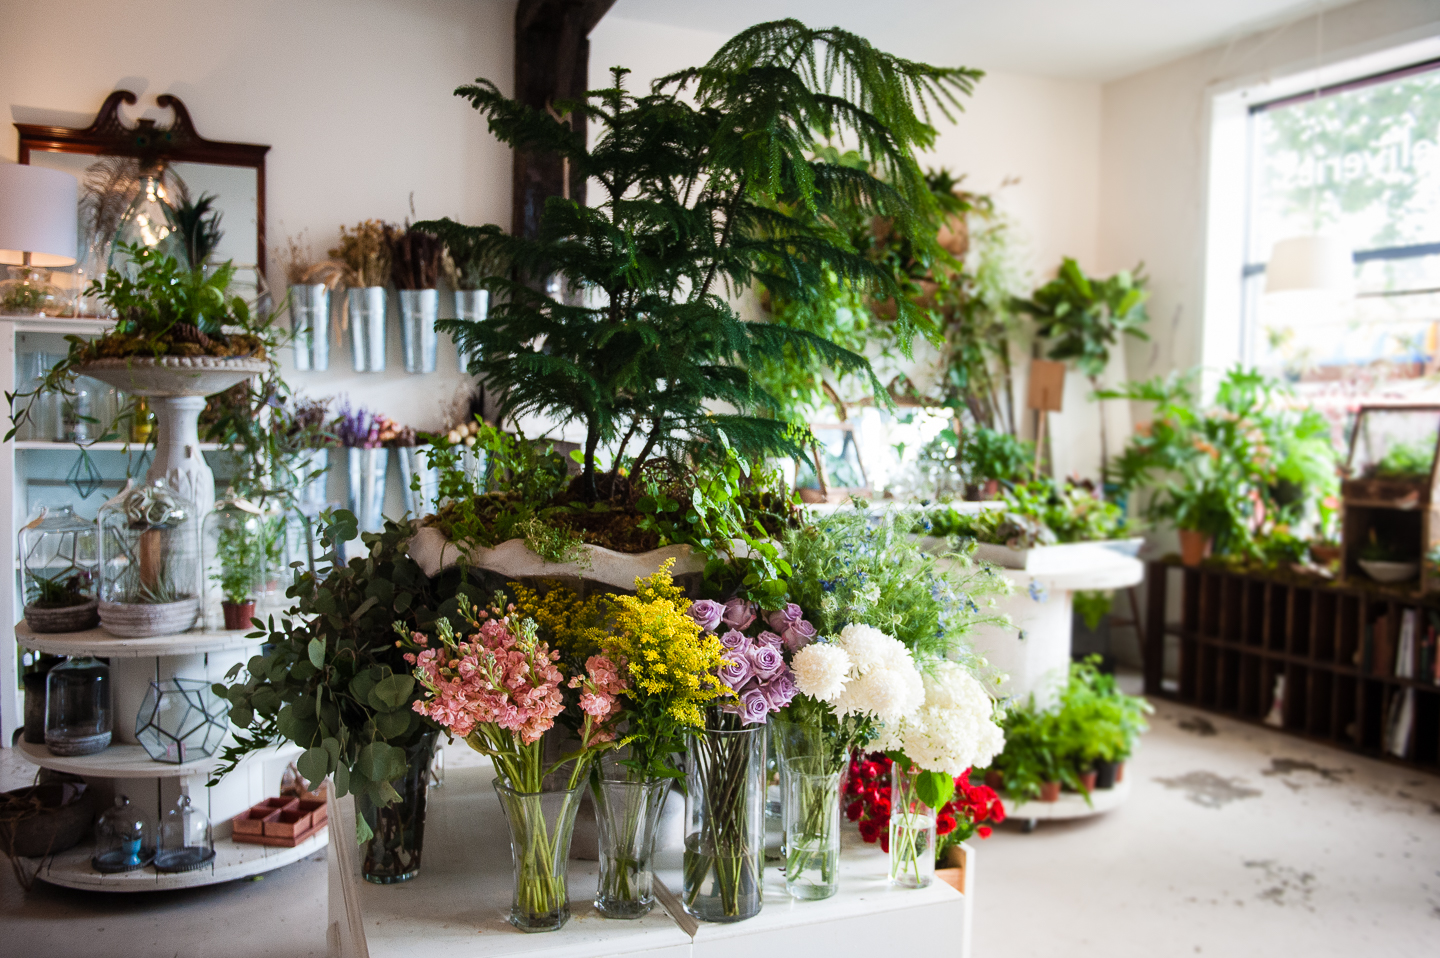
[(151, 786), (457, 906)]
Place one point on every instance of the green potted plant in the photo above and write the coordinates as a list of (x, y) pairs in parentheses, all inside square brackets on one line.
[(237, 539)]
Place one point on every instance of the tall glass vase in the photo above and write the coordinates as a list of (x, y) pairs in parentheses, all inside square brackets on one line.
[(541, 824), (627, 814), (724, 823), (418, 309), (912, 831), (810, 766), (392, 854)]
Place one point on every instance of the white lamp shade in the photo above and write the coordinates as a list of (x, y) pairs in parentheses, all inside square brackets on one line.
[(1313, 263), (38, 213)]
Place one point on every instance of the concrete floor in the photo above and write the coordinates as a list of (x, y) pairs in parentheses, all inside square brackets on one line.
[(1236, 841)]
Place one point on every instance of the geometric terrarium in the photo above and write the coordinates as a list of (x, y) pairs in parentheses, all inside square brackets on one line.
[(1389, 495), (59, 563), (149, 562), (181, 720)]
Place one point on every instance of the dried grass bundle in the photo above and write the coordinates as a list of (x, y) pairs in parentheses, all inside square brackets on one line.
[(415, 260), (302, 270), (365, 253)]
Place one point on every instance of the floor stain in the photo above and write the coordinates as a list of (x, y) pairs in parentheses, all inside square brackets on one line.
[(1200, 725), (1287, 887), (1209, 790), (1285, 766)]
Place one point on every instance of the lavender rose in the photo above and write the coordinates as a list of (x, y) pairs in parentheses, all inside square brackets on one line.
[(786, 617), (765, 661), (780, 689), (798, 635), (770, 639), (737, 671), (706, 613), (753, 706), (739, 614), (734, 641)]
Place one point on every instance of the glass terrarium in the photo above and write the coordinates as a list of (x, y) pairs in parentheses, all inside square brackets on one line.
[(237, 540), (149, 562), (29, 292), (181, 720), (1391, 533), (186, 842), (59, 562), (124, 841), (79, 714)]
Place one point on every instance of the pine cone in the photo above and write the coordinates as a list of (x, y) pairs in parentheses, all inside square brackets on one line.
[(189, 333)]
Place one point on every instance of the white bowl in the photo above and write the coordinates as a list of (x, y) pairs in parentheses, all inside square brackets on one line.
[(1390, 571)]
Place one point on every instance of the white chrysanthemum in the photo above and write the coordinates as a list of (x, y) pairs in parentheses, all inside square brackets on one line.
[(821, 670), (954, 729), (883, 682)]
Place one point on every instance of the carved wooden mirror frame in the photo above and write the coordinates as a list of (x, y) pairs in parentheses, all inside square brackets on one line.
[(109, 136)]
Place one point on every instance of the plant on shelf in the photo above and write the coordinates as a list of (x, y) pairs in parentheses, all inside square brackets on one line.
[(1040, 512), (1082, 318), (1404, 460), (240, 551)]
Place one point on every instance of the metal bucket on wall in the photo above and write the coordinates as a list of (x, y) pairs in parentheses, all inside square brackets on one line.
[(367, 486), (366, 309), (414, 462), (418, 311), (471, 305), (310, 322)]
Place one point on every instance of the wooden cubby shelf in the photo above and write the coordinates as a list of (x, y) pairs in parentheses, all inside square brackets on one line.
[(1335, 645)]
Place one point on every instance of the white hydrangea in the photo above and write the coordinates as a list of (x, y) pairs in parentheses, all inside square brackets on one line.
[(880, 681), (953, 730), (821, 670)]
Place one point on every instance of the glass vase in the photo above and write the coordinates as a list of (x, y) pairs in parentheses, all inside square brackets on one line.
[(724, 823), (541, 824), (627, 814), (912, 831), (392, 854), (810, 768)]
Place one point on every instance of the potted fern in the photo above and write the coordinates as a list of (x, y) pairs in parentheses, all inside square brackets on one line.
[(714, 179)]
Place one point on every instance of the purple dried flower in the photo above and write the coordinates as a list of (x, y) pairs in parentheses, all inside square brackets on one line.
[(739, 614), (798, 635), (765, 661), (706, 613), (784, 618)]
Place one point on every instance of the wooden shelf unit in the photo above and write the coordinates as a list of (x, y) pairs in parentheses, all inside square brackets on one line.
[(1238, 632)]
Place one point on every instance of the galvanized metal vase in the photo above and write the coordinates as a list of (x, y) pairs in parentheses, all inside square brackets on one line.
[(471, 305), (414, 462), (310, 322), (418, 311), (366, 309), (367, 486)]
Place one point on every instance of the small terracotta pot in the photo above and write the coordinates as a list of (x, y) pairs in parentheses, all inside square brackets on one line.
[(1049, 791), (237, 614), (1087, 780), (1105, 774), (1195, 546), (1324, 553), (1119, 771), (995, 778)]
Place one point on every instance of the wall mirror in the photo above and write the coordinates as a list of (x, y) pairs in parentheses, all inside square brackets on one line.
[(118, 162)]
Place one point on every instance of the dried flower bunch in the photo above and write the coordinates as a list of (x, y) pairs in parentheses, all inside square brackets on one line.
[(415, 259), (301, 269), (365, 252)]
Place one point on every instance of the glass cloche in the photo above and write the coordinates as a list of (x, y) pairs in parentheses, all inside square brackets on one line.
[(124, 841), (59, 562), (149, 561), (186, 842), (79, 714), (237, 539)]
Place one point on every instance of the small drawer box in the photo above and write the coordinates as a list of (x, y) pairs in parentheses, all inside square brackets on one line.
[(252, 821), (285, 803), (288, 824), (316, 807)]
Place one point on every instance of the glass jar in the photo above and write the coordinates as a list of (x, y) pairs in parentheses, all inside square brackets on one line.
[(236, 543), (142, 422), (59, 562), (123, 840), (77, 411), (627, 815), (149, 561), (724, 823), (912, 831), (186, 842), (541, 826), (810, 767), (79, 716), (29, 292)]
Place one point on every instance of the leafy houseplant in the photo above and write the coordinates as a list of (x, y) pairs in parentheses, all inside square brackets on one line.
[(240, 552), (1083, 318), (643, 339)]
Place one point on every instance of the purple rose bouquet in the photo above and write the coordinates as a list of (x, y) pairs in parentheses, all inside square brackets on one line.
[(755, 669)]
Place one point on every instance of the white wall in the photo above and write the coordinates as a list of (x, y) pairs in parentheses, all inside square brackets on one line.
[(1154, 169), (353, 97)]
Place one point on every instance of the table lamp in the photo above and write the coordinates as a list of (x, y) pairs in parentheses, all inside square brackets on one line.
[(38, 216)]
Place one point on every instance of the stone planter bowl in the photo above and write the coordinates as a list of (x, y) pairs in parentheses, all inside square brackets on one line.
[(139, 621), (65, 618)]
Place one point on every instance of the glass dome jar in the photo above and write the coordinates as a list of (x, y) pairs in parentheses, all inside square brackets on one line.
[(237, 540), (146, 221), (59, 560), (79, 715), (29, 292), (149, 561), (124, 841), (186, 842)]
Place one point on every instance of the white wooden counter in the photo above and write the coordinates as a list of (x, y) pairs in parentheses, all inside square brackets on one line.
[(458, 904)]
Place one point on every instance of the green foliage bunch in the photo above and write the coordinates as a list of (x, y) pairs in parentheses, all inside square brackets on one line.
[(241, 551), (1083, 317), (334, 680), (641, 342), (850, 567), (1040, 512), (1248, 467)]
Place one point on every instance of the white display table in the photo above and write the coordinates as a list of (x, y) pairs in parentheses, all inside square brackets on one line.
[(458, 904)]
